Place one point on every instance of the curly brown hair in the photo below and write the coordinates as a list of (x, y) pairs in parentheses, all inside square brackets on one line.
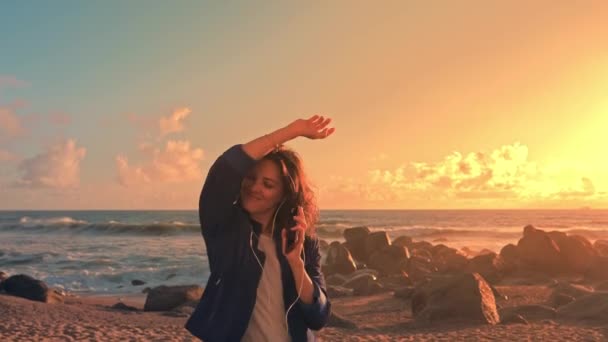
[(297, 187)]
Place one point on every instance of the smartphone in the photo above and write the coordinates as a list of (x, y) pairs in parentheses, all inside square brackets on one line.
[(291, 234)]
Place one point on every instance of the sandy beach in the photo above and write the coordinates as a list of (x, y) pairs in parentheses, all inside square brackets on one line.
[(378, 317)]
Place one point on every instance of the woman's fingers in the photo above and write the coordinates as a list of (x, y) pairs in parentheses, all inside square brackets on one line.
[(284, 241)]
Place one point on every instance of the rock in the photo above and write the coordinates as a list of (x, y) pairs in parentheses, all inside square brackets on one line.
[(137, 282), (601, 247), (560, 299), (335, 279), (539, 252), (513, 319), (466, 297), (592, 307), (390, 260), (172, 275), (420, 268), (339, 260), (576, 251), (447, 259), (489, 266), (338, 321), (485, 251), (24, 286), (123, 306), (3, 276), (323, 245), (363, 284), (146, 290), (405, 292), (403, 241), (395, 281), (598, 270), (163, 298), (355, 241), (530, 312), (374, 242), (572, 290), (510, 258), (603, 286), (334, 291)]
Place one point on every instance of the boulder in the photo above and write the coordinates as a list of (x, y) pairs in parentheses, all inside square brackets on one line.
[(363, 284), (466, 297), (510, 258), (339, 260), (598, 270), (529, 312), (420, 268), (335, 279), (124, 307), (576, 251), (539, 252), (405, 292), (390, 260), (592, 307), (601, 247), (376, 241), (489, 266), (355, 241), (323, 245), (447, 259), (164, 298), (137, 282), (395, 281), (513, 319), (339, 321), (24, 286), (603, 286), (404, 241)]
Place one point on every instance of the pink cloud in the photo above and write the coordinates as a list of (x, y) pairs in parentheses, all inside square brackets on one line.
[(10, 124), (177, 162), (175, 122), (11, 81), (57, 167)]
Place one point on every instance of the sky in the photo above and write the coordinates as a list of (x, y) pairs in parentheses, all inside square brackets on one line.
[(436, 104)]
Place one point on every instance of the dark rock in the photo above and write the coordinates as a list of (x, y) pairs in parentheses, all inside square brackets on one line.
[(146, 290), (513, 319), (404, 241), (137, 282), (405, 292), (172, 275), (339, 260), (449, 260), (163, 298), (390, 260), (539, 252), (363, 284), (530, 312), (490, 266), (374, 242), (601, 247), (395, 281), (592, 307), (576, 251), (561, 299), (123, 306), (603, 286), (466, 297), (323, 245), (598, 270), (24, 286), (355, 241)]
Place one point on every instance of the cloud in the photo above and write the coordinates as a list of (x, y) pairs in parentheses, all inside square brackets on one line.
[(58, 167), (177, 162), (10, 124), (174, 122), (502, 175)]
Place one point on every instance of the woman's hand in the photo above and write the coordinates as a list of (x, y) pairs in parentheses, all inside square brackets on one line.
[(293, 252), (314, 127)]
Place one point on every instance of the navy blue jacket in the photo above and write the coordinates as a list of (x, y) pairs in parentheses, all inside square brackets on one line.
[(231, 237)]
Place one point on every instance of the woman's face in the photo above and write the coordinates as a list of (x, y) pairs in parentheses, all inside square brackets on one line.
[(262, 189)]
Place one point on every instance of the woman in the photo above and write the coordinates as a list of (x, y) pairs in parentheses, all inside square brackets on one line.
[(263, 286)]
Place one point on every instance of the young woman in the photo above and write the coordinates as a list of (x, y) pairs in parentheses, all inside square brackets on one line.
[(257, 213)]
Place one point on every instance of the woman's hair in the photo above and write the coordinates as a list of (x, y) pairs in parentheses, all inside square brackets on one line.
[(297, 189)]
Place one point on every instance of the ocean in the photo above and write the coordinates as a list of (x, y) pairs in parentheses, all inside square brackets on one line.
[(103, 251)]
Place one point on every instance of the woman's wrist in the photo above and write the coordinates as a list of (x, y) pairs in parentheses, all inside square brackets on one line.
[(296, 265)]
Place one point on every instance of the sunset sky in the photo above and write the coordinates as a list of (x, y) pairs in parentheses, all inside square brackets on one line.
[(436, 104)]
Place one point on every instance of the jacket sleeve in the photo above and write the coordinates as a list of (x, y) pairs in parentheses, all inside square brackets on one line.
[(316, 314), (222, 188)]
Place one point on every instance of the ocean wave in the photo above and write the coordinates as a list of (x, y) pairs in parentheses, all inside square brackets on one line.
[(69, 225)]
